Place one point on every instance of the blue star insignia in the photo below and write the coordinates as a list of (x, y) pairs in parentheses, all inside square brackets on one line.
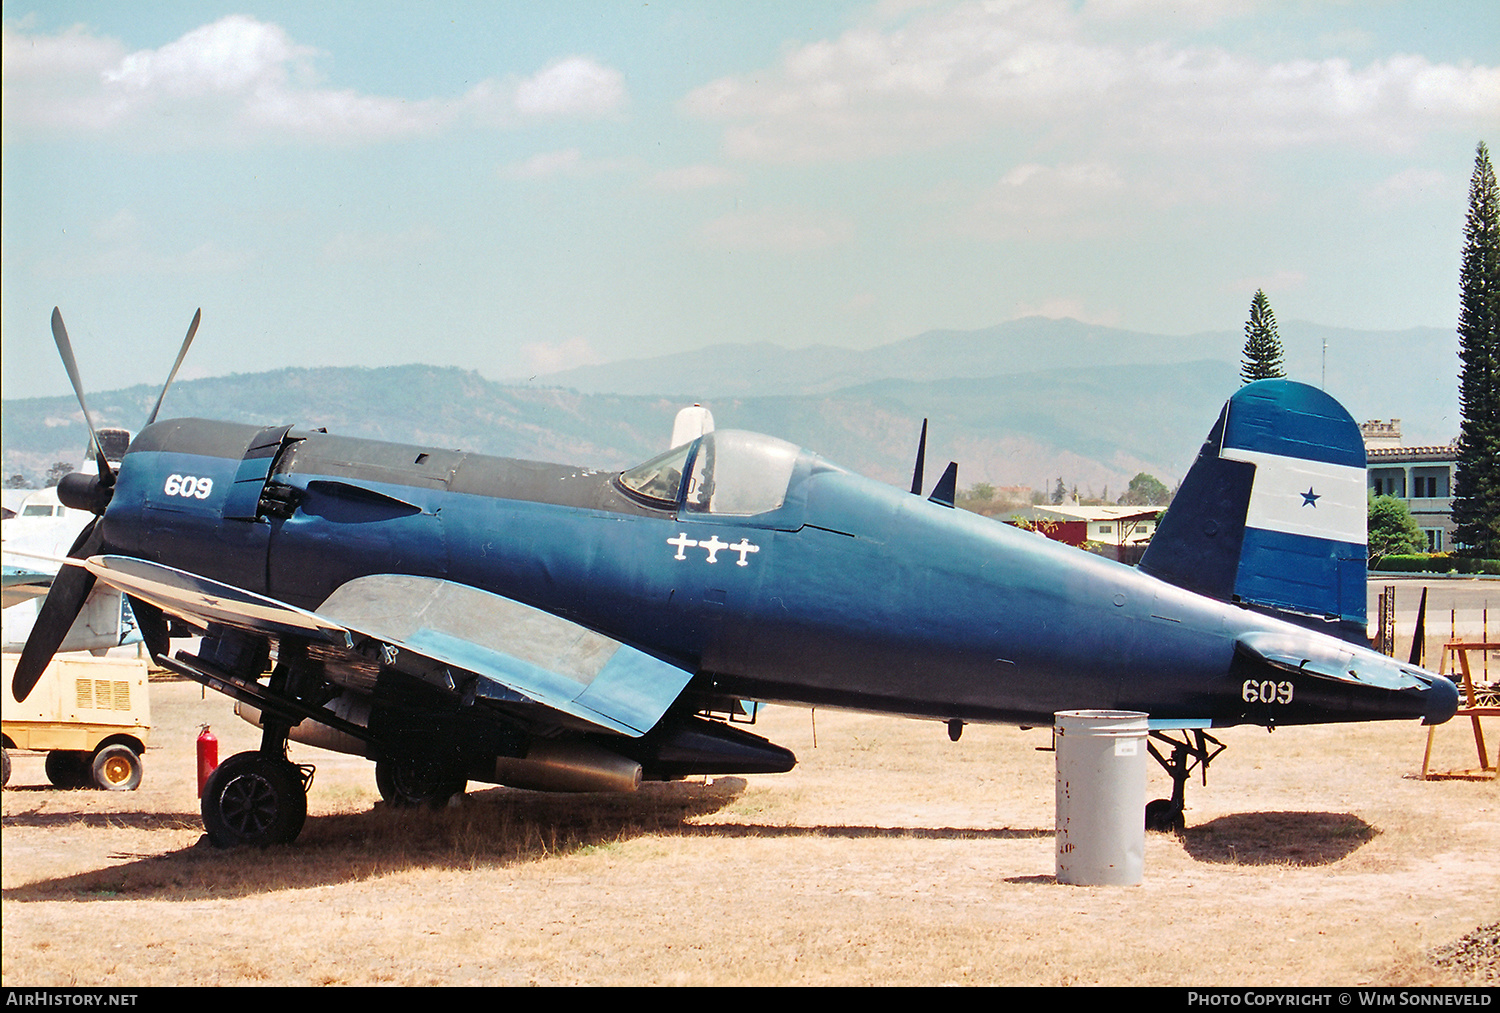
[(1309, 498)]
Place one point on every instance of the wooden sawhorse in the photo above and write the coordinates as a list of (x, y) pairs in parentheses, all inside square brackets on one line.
[(1473, 709)]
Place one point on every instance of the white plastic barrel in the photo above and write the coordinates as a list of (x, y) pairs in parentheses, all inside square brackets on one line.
[(1101, 797)]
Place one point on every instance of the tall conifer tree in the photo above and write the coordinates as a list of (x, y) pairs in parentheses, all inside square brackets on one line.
[(1476, 503), (1262, 355)]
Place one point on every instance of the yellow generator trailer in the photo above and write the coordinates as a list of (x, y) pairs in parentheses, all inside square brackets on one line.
[(91, 716)]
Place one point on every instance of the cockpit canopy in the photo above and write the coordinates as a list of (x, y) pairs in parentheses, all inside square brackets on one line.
[(729, 472)]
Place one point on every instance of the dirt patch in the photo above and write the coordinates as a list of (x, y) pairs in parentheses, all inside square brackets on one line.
[(889, 856)]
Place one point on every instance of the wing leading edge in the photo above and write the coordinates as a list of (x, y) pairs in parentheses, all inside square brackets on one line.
[(541, 657)]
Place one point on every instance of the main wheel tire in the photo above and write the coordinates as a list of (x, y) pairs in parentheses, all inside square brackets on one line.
[(68, 768), (5, 779), (409, 783), (254, 799), (1163, 817), (116, 768)]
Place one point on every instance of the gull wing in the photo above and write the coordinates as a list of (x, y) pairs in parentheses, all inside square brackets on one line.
[(535, 656), (543, 657)]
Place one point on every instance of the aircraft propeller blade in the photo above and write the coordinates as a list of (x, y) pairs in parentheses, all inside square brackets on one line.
[(1419, 634), (182, 354), (70, 589), (65, 348)]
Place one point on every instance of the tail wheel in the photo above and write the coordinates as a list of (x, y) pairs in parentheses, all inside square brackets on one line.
[(116, 768), (254, 799), (1163, 816)]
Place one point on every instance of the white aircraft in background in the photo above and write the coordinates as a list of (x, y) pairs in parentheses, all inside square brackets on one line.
[(35, 541)]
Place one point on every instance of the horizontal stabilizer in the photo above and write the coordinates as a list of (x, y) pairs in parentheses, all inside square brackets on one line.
[(1327, 660)]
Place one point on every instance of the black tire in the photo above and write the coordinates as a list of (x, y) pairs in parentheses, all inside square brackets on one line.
[(68, 768), (5, 779), (1163, 817), (255, 800), (409, 784), (116, 768)]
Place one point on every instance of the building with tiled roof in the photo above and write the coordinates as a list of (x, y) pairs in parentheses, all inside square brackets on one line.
[(1422, 476)]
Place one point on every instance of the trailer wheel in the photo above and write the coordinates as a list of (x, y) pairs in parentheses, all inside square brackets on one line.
[(68, 768), (116, 768)]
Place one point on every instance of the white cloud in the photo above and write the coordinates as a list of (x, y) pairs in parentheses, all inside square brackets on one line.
[(1067, 307), (234, 54), (239, 79), (53, 81), (1037, 66), (542, 357), (784, 231), (1041, 201), (70, 53), (576, 86)]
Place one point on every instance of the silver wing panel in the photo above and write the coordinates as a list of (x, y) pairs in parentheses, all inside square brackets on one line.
[(543, 657), (540, 657)]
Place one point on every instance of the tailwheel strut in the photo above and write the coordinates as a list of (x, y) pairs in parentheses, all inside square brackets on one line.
[(1196, 749)]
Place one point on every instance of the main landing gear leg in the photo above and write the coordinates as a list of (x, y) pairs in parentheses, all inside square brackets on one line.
[(259, 798), (1196, 748)]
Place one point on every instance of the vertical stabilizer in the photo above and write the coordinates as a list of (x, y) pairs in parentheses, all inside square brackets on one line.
[(1272, 514)]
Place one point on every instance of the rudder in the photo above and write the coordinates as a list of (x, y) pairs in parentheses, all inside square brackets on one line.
[(1272, 514)]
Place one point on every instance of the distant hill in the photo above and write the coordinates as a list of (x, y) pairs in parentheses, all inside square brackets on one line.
[(1024, 403), (1411, 374), (1095, 427)]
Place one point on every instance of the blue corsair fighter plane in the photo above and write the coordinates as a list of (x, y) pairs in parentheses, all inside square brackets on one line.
[(457, 617)]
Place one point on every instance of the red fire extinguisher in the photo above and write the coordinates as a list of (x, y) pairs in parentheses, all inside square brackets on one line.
[(208, 756)]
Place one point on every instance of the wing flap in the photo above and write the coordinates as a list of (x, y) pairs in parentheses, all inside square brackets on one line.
[(543, 657)]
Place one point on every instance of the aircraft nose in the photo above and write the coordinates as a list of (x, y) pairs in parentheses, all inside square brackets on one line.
[(1442, 701)]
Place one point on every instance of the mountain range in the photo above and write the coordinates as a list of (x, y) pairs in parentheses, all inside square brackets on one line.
[(1022, 403)]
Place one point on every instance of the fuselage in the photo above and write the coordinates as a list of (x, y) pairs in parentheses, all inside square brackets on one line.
[(846, 593)]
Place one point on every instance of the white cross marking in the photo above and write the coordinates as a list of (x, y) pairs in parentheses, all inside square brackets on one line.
[(682, 541), (743, 547), (713, 545)]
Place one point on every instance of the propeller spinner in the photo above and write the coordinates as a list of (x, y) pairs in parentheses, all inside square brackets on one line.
[(73, 583)]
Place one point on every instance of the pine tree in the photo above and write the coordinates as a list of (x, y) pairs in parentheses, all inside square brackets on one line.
[(1262, 355), (1476, 500)]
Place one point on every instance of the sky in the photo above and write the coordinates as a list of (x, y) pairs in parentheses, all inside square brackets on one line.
[(520, 187)]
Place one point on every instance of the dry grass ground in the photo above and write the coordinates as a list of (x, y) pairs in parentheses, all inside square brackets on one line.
[(889, 856)]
